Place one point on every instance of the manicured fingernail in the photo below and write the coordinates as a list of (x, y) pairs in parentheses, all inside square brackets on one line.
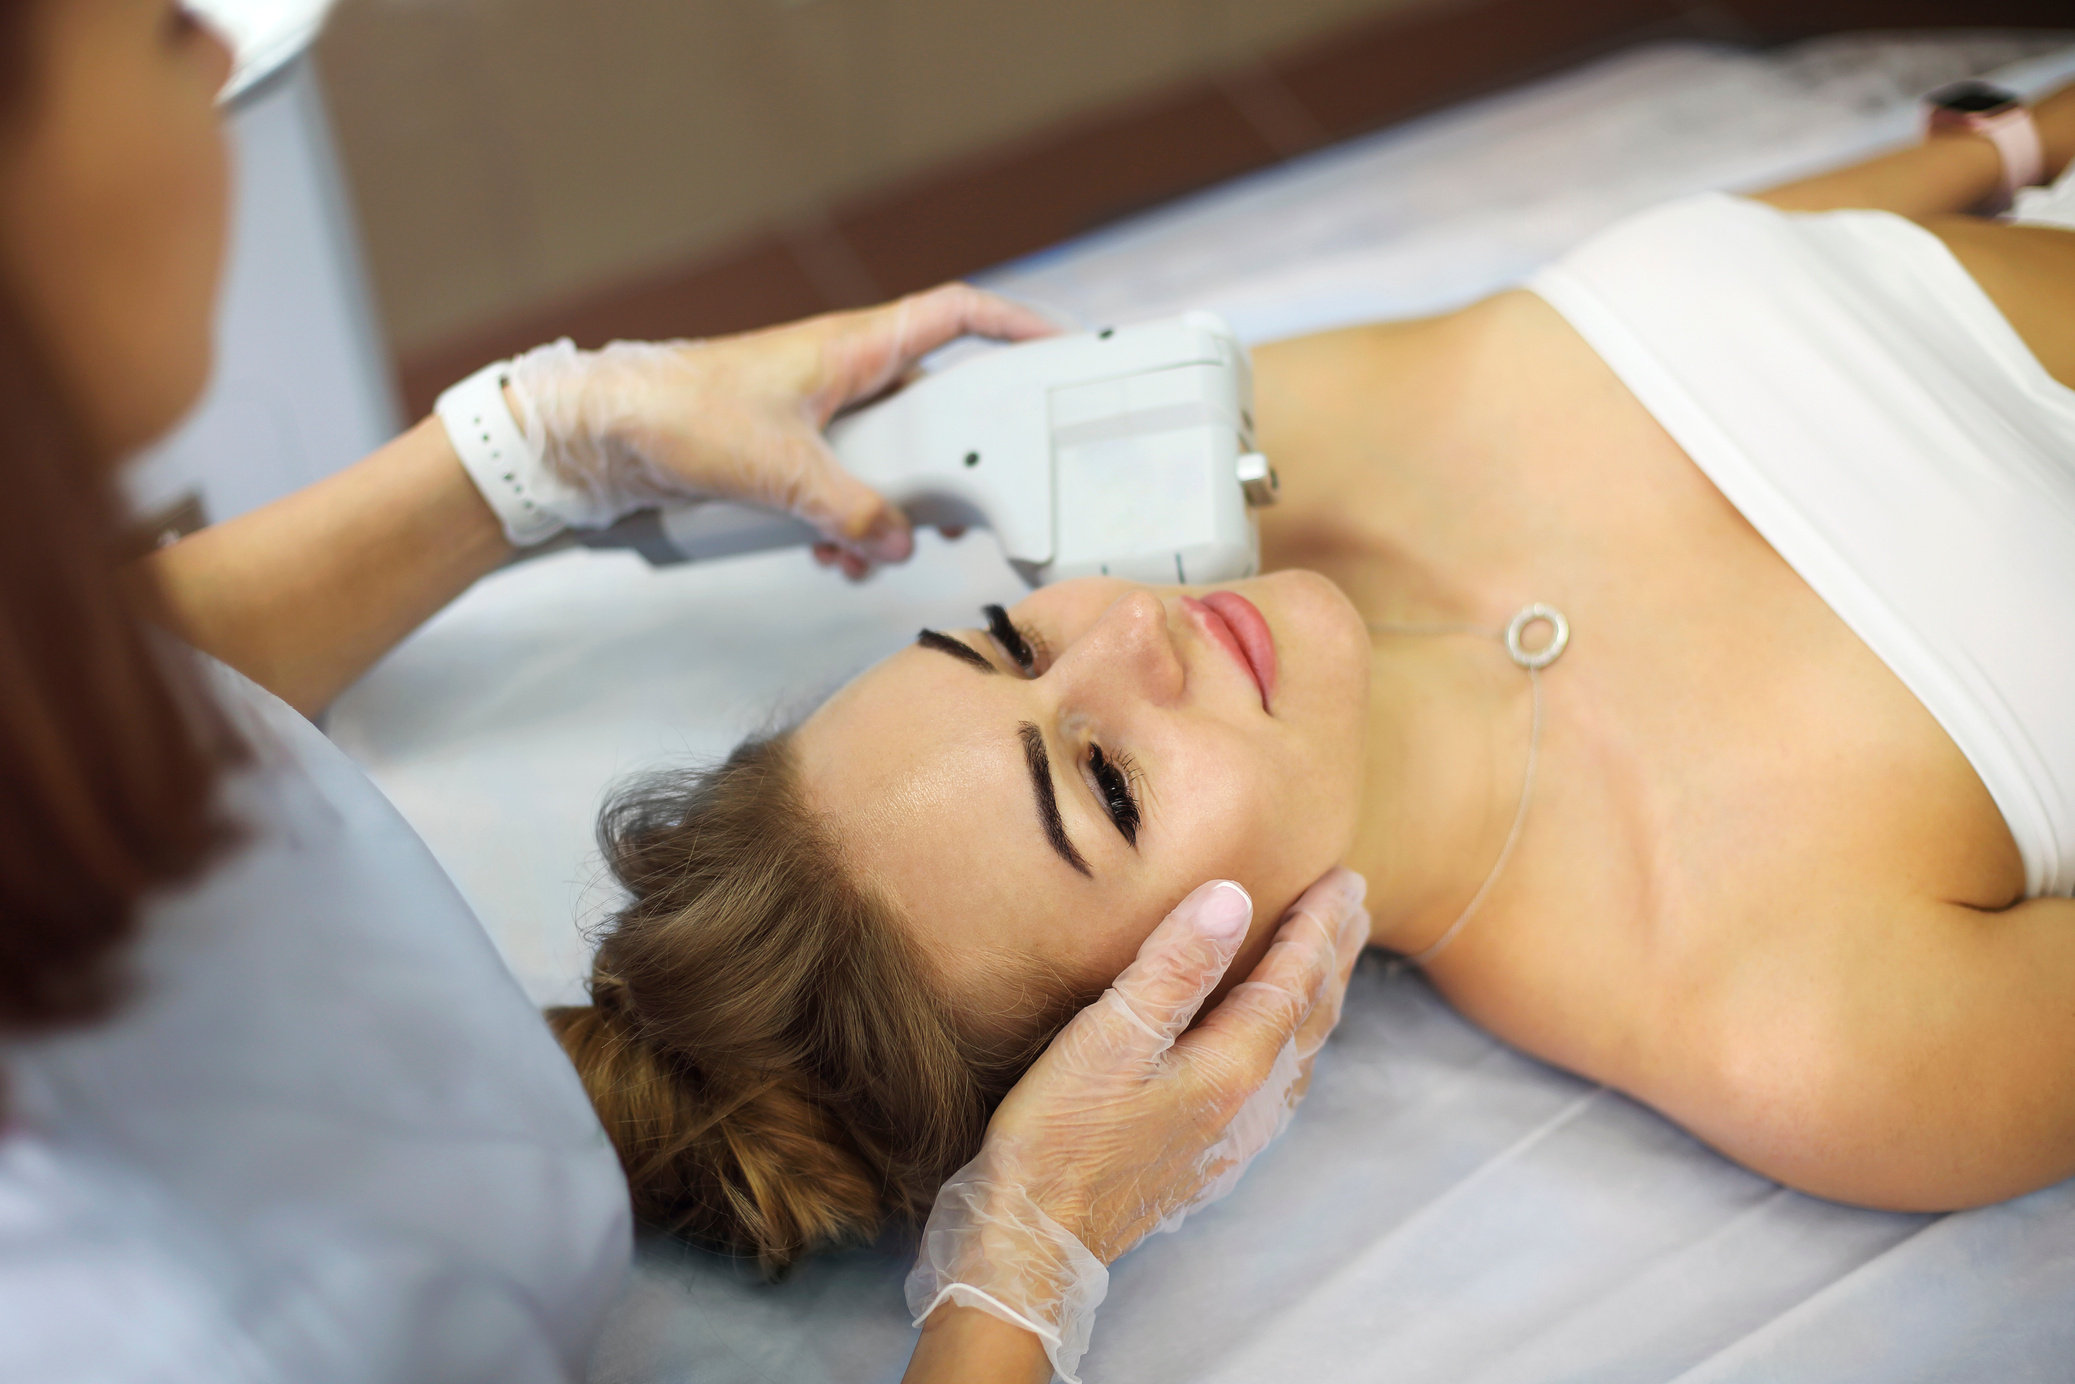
[(1224, 913)]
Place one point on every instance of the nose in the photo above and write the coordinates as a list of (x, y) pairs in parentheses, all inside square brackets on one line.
[(1128, 651)]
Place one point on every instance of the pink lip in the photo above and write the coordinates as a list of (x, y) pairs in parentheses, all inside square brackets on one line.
[(1232, 621)]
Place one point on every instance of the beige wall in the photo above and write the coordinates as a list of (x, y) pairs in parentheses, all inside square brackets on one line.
[(507, 152)]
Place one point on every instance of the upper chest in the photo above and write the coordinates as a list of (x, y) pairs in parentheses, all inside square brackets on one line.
[(1721, 751)]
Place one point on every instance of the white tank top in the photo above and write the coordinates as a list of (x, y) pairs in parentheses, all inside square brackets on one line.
[(1851, 389), (327, 1141)]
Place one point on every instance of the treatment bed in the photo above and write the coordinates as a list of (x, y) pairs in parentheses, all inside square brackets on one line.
[(1443, 1208)]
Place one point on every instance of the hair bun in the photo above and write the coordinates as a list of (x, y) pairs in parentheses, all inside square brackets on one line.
[(757, 1170)]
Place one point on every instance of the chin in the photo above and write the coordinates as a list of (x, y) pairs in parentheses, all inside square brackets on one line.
[(1315, 596), (1323, 644), (1319, 635)]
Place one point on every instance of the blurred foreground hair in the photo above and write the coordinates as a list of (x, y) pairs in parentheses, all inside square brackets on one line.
[(109, 751)]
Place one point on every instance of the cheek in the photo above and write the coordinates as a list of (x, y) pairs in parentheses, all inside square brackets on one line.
[(124, 229), (1272, 816), (1253, 818), (169, 349)]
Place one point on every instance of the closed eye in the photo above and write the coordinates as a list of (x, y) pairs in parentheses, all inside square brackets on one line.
[(1113, 782), (1015, 641)]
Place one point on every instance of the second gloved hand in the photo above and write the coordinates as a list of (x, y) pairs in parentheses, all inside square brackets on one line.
[(1126, 1124)]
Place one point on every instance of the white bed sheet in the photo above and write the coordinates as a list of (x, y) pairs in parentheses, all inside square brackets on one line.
[(1444, 1208)]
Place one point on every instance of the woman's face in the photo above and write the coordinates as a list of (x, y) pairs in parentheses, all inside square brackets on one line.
[(113, 199), (1047, 789)]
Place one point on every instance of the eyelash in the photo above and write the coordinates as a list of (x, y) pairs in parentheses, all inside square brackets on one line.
[(1113, 777), (1020, 644)]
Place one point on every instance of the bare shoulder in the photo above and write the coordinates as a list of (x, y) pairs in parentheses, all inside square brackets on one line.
[(1347, 417), (1331, 407), (1311, 385), (1911, 1055)]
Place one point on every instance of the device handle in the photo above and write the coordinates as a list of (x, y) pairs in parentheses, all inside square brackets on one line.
[(701, 530)]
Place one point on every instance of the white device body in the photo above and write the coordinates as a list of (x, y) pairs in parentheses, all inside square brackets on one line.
[(1126, 452)]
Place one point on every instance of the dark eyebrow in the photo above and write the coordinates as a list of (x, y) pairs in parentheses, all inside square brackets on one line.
[(957, 648), (1047, 802), (1034, 755)]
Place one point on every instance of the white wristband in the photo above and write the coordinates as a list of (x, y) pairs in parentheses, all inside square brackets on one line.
[(528, 498)]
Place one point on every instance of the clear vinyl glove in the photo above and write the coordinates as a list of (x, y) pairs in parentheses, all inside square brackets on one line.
[(640, 423), (1128, 1123)]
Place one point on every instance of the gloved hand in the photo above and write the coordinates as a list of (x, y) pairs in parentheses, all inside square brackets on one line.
[(1127, 1124), (741, 417)]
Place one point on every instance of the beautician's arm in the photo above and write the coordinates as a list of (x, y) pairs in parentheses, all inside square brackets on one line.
[(1945, 174), (1130, 1121), (304, 595)]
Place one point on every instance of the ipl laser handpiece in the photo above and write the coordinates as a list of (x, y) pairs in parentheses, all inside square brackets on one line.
[(1127, 452)]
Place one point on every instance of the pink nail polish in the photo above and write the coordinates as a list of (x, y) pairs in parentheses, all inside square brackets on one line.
[(1225, 912)]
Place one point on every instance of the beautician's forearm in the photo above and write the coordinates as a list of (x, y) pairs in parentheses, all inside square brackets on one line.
[(304, 595), (963, 1345)]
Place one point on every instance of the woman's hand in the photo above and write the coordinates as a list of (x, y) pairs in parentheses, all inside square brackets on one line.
[(741, 417), (1128, 1123)]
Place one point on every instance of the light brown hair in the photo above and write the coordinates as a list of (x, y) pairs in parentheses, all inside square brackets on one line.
[(766, 1046), (109, 752)]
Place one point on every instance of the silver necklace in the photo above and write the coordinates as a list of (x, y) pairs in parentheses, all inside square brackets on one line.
[(1534, 661)]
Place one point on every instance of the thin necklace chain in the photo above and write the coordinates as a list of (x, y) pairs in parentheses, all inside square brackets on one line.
[(1534, 661)]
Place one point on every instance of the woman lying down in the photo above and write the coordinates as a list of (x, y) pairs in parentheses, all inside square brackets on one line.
[(1779, 841)]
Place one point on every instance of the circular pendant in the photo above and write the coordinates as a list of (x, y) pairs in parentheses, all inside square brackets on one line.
[(1559, 636)]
